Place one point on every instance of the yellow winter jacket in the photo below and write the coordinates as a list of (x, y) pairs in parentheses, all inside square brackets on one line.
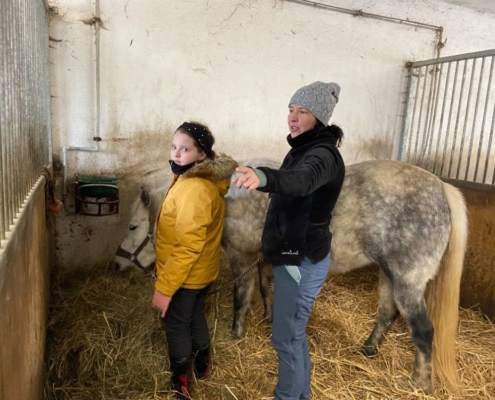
[(190, 226)]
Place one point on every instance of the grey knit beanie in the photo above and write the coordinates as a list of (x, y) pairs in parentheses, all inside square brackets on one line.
[(319, 98)]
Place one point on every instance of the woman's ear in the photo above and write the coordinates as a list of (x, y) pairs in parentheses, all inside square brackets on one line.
[(202, 156)]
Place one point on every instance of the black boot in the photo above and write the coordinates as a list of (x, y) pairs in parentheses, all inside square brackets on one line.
[(201, 362), (180, 377)]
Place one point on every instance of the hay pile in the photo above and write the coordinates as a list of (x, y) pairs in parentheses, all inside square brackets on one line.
[(105, 342)]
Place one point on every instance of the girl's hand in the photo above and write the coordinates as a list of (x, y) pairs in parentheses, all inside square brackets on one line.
[(160, 302), (247, 178)]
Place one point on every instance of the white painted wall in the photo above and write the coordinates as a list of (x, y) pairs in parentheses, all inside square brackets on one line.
[(233, 65)]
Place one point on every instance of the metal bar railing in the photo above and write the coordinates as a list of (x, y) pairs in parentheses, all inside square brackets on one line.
[(487, 98), (25, 130), (431, 126), (447, 115), (442, 116), (490, 142), (466, 113), (473, 129), (457, 120), (460, 57), (427, 126)]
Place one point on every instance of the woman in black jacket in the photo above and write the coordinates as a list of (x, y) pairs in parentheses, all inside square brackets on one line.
[(296, 236)]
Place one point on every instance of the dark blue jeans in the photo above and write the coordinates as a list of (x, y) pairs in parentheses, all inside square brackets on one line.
[(296, 288), (185, 323)]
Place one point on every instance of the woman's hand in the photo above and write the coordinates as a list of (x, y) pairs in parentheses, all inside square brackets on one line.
[(160, 302), (248, 178)]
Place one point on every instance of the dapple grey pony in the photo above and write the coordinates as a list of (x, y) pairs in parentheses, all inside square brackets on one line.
[(391, 214)]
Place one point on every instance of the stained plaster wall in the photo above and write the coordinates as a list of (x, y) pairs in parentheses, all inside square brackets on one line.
[(232, 65)]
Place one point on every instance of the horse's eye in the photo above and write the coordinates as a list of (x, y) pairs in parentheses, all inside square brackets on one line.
[(132, 227)]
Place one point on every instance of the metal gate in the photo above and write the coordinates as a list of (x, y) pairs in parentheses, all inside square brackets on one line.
[(25, 123), (450, 116)]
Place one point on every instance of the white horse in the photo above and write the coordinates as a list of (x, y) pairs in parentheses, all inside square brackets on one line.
[(391, 214)]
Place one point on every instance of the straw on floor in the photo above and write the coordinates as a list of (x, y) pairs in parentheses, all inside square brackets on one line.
[(105, 342)]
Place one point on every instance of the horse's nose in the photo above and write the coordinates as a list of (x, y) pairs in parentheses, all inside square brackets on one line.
[(117, 267), (150, 269)]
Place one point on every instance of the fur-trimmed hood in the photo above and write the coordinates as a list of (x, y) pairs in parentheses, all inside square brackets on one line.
[(218, 169)]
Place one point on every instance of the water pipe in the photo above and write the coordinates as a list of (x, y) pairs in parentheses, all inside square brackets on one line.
[(96, 148), (361, 13)]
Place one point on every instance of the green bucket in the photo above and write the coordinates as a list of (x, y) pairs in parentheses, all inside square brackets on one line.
[(97, 186)]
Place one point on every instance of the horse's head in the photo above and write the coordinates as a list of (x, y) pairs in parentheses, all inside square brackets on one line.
[(138, 247)]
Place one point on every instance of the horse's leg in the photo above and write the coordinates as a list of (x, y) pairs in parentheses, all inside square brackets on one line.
[(387, 314), (266, 277), (412, 307), (243, 290)]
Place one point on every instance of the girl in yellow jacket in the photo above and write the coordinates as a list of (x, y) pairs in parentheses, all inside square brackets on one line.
[(189, 231)]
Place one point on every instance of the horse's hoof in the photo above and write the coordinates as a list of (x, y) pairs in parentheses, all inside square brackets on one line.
[(369, 351), (237, 333), (423, 383), (405, 384)]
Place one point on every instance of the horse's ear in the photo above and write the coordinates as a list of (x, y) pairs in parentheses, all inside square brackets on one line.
[(145, 197)]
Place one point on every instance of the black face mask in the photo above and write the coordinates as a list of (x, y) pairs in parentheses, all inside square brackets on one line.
[(180, 169)]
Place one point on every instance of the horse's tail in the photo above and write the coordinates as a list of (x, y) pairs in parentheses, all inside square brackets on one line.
[(444, 291)]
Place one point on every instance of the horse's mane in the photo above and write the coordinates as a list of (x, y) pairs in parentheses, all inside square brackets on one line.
[(156, 200), (156, 197)]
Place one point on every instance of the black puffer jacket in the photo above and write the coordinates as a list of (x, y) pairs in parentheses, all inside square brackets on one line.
[(303, 194)]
